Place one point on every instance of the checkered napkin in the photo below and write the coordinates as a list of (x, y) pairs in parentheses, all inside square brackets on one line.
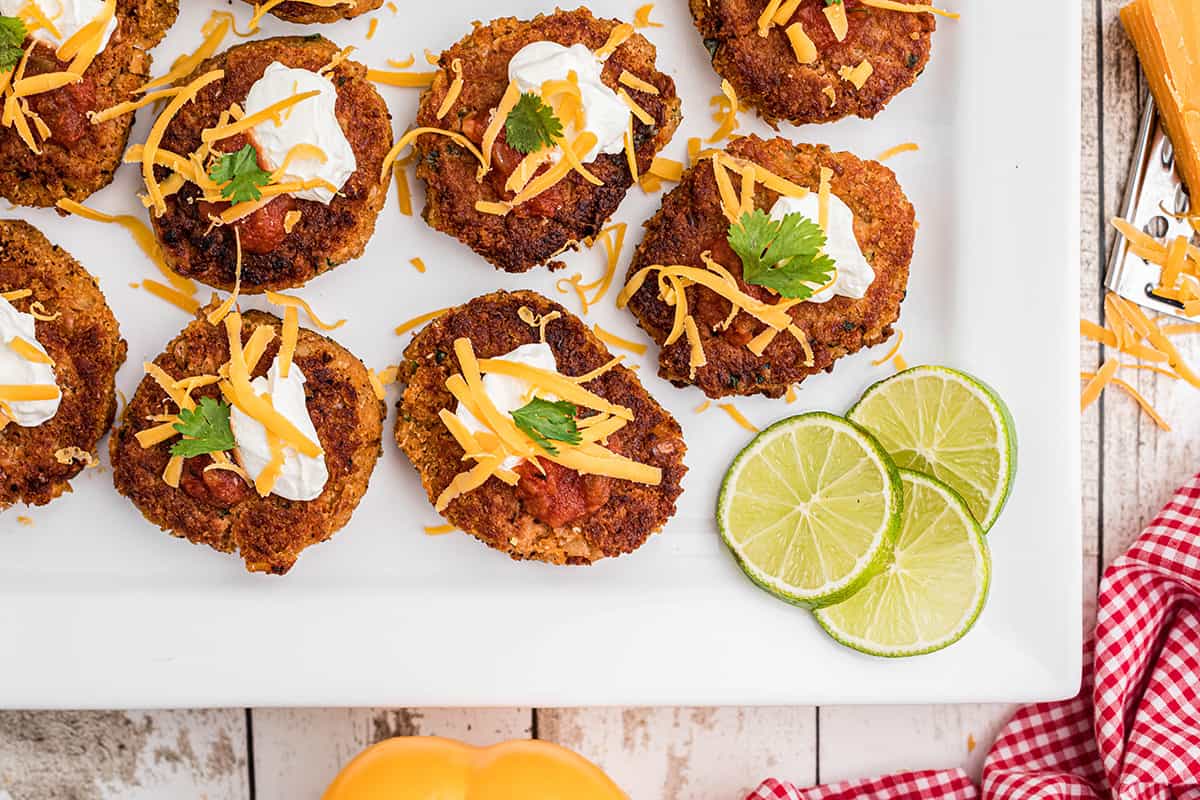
[(1133, 731)]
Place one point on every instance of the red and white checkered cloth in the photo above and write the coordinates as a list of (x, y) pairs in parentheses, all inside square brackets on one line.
[(1133, 731)]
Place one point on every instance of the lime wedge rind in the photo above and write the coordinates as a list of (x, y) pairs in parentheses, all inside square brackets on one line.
[(829, 617), (1005, 444), (870, 562)]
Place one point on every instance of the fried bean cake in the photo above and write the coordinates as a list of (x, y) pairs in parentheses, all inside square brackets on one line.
[(76, 329), (543, 509), (569, 211), (79, 157), (220, 506), (692, 224), (287, 239), (764, 68)]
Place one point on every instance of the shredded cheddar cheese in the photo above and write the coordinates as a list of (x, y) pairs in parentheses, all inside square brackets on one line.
[(406, 80), (895, 348), (767, 18), (836, 15), (738, 416), (727, 103), (619, 35), (1097, 382), (666, 168), (913, 8), (438, 530), (617, 341), (419, 320), (906, 147), (418, 263), (641, 17), (856, 76), (28, 351), (411, 136), (802, 46), (786, 10), (287, 340), (456, 86), (296, 302), (173, 296), (627, 78)]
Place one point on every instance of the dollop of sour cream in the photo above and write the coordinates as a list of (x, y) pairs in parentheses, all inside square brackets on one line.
[(605, 114), (508, 393), (302, 477), (68, 16), (312, 121), (854, 274), (15, 369)]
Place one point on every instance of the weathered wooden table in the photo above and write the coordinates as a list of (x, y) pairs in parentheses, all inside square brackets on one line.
[(1130, 469)]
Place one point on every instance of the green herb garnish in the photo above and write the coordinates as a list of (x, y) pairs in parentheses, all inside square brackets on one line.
[(207, 429), (543, 421), (531, 125), (12, 36), (784, 255), (240, 174)]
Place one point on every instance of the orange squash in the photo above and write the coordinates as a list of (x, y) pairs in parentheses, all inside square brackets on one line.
[(432, 768)]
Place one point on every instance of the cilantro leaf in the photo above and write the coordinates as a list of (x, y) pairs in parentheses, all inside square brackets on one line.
[(542, 420), (12, 36), (241, 175), (531, 124), (784, 255), (208, 429)]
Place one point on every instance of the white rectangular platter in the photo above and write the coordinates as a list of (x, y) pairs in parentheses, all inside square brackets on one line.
[(100, 609)]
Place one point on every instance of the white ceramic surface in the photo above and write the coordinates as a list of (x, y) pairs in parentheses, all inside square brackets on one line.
[(100, 609)]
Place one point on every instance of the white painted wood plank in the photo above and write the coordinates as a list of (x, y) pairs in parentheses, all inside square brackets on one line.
[(95, 755), (867, 741), (689, 753), (297, 752)]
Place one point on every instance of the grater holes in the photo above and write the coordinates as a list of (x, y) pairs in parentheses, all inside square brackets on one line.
[(1157, 226)]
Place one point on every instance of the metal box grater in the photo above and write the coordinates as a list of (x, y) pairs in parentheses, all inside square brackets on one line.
[(1154, 199)]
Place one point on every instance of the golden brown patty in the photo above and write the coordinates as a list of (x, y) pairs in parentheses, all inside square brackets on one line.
[(571, 211), (79, 158), (87, 349), (765, 73), (691, 222), (326, 235), (217, 508), (305, 13), (495, 513)]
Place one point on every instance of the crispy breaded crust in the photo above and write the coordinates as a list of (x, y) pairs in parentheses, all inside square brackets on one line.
[(269, 532), (765, 73), (303, 13), (493, 513), (526, 238), (86, 345), (76, 171), (691, 222), (325, 236)]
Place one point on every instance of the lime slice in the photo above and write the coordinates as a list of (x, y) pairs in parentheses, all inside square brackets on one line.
[(932, 592), (949, 425), (811, 508)]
